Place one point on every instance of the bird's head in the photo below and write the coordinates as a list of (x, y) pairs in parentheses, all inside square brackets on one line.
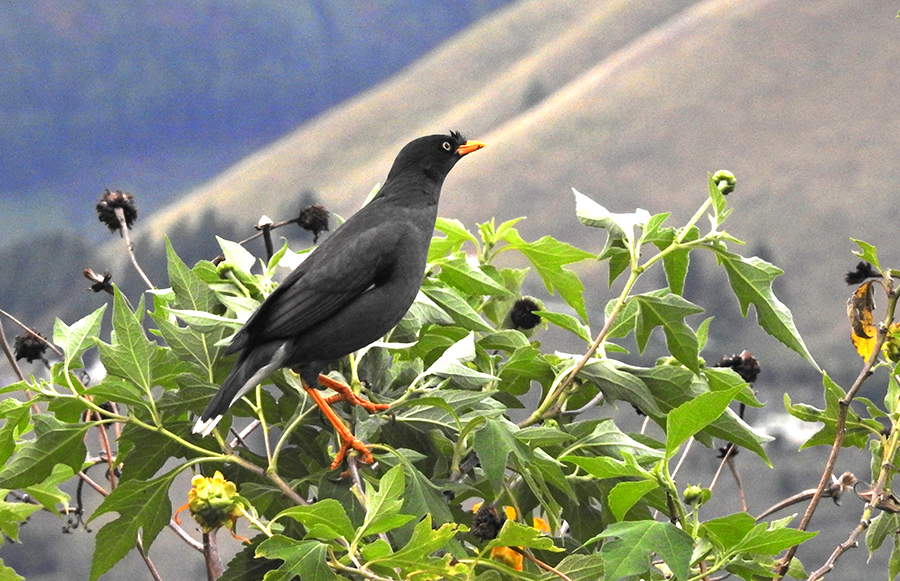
[(432, 156)]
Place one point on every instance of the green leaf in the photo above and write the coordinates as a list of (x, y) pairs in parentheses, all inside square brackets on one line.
[(549, 256), (188, 343), (894, 560), (143, 507), (458, 273), (129, 354), (882, 525), (625, 495), (302, 559), (145, 452), (728, 531), (674, 385), (54, 443), (421, 496), (458, 309), (668, 311), (692, 416), (516, 534), (867, 252), (13, 514), (237, 255), (751, 280), (451, 365), (578, 568), (325, 519), (246, 566), (567, 322), (619, 226), (630, 545), (48, 494), (383, 508), (190, 291), (112, 388), (78, 338), (604, 467), (676, 262), (456, 236), (416, 556), (857, 430), (525, 365), (8, 574), (493, 443), (771, 542), (204, 322), (608, 440), (619, 385)]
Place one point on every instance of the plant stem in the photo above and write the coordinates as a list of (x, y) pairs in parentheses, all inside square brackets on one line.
[(123, 227), (548, 407)]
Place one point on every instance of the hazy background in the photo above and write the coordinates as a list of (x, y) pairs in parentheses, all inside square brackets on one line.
[(213, 113)]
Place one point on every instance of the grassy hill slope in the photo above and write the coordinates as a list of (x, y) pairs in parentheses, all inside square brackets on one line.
[(632, 103)]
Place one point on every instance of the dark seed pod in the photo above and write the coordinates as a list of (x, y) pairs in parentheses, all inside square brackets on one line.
[(29, 347), (315, 220), (106, 209), (487, 522), (744, 365)]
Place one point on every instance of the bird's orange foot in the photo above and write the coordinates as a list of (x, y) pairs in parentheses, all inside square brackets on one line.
[(344, 393), (348, 442)]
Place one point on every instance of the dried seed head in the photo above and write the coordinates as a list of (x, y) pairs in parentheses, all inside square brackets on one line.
[(314, 219), (101, 282), (29, 347), (522, 313), (487, 522), (744, 365), (106, 209), (863, 271)]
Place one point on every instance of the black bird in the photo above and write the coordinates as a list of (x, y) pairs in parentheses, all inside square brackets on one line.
[(350, 291)]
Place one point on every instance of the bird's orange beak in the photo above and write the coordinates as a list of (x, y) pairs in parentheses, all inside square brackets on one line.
[(469, 147)]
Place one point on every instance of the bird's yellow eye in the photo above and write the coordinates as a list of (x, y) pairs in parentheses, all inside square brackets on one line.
[(446, 145)]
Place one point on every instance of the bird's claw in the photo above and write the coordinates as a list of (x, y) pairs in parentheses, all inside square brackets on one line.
[(344, 393), (348, 443)]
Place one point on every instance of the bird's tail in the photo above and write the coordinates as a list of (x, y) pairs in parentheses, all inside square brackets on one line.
[(252, 368)]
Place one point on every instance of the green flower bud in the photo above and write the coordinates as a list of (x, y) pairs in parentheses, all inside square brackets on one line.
[(725, 180), (696, 495)]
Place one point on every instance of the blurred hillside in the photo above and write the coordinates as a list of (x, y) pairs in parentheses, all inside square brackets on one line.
[(159, 96), (632, 102)]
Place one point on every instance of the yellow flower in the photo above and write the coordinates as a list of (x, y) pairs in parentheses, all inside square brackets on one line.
[(214, 503)]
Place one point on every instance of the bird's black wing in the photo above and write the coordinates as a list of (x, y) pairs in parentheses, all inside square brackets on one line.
[(333, 276)]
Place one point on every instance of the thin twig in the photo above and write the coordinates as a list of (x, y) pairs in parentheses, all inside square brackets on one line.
[(146, 557), (9, 354), (541, 564), (273, 476), (687, 448), (196, 545), (120, 214), (728, 453), (737, 480)]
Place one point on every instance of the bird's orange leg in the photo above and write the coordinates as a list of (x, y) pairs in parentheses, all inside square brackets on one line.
[(344, 393), (348, 440)]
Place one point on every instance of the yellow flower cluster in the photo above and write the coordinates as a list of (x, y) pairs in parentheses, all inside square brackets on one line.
[(214, 503)]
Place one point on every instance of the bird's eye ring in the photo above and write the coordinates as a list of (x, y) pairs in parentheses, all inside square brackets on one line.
[(446, 145)]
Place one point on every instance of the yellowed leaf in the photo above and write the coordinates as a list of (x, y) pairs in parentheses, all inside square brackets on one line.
[(859, 311)]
